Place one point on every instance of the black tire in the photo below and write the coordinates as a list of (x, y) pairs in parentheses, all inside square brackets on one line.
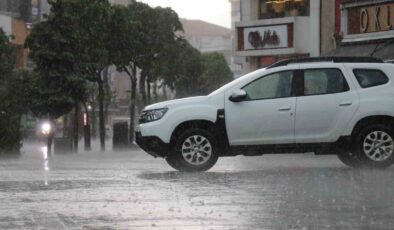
[(178, 161), (360, 137), (349, 159)]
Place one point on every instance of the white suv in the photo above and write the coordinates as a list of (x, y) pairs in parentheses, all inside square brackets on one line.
[(342, 106)]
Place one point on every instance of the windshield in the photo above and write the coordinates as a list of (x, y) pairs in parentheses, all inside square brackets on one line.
[(235, 82)]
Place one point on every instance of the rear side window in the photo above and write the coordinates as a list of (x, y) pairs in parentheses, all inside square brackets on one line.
[(324, 81), (370, 77)]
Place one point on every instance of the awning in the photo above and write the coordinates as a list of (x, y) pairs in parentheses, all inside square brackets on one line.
[(381, 49)]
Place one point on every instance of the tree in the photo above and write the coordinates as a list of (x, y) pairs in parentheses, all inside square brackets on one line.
[(216, 71), (10, 133), (94, 35), (92, 28), (56, 86), (127, 49), (162, 36), (194, 73), (188, 80), (142, 33), (77, 51)]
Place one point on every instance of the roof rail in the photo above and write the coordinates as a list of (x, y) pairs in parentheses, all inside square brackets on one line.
[(327, 59)]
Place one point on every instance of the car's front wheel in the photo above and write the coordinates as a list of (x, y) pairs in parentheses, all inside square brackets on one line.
[(194, 151)]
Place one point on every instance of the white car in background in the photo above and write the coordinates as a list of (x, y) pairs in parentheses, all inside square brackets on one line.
[(342, 106)]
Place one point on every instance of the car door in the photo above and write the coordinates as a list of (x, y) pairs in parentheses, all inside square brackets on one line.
[(266, 116), (326, 105)]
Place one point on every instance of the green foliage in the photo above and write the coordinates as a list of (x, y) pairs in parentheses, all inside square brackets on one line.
[(91, 26), (6, 56), (144, 36), (80, 38), (10, 133), (47, 97), (57, 81), (166, 48), (199, 74), (216, 71), (189, 69)]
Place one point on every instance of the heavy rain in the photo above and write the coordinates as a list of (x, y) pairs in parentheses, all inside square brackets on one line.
[(225, 114)]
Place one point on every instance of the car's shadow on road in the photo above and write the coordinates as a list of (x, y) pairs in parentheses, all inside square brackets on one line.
[(269, 175)]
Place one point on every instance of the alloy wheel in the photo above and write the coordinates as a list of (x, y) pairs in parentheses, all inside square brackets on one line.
[(378, 146), (196, 150)]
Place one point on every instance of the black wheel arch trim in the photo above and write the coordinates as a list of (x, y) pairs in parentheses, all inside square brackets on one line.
[(221, 132)]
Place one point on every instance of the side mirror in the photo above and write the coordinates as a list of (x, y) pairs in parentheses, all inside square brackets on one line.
[(238, 95)]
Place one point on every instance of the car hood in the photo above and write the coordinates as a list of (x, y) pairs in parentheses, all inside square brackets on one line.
[(178, 102)]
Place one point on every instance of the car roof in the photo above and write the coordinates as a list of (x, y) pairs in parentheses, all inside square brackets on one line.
[(326, 59)]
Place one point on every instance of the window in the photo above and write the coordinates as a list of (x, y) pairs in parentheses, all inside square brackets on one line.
[(283, 8), (370, 77), (276, 85), (324, 81)]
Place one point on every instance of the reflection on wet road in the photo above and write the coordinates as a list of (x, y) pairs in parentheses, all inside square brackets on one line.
[(134, 191)]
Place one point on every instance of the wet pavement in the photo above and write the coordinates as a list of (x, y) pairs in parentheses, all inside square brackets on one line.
[(131, 190)]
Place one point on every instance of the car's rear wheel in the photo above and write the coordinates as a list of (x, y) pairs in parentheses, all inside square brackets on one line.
[(194, 151), (375, 146)]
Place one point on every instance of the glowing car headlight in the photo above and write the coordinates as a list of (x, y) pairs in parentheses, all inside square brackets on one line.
[(152, 115)]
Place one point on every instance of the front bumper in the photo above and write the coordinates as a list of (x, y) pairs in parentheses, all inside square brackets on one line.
[(152, 145)]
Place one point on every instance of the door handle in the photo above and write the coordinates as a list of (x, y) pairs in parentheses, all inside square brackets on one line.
[(285, 108), (346, 103)]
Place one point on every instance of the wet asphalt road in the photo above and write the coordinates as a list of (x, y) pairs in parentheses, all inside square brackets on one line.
[(131, 190)]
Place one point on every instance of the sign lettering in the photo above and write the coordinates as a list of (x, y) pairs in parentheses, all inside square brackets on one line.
[(269, 38), (389, 26), (374, 18), (364, 21), (377, 19), (265, 37)]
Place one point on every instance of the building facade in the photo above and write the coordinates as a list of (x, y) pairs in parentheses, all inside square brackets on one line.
[(367, 29), (16, 18), (269, 31), (266, 31)]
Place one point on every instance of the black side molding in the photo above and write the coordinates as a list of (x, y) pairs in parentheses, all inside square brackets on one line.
[(221, 132)]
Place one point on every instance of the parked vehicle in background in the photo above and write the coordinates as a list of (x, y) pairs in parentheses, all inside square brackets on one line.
[(342, 106)]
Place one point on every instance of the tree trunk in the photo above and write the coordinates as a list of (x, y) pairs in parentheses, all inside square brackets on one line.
[(155, 94), (148, 94), (142, 88), (75, 132), (107, 94), (101, 113), (86, 130), (164, 92), (50, 136), (94, 121), (49, 143), (132, 109), (133, 91)]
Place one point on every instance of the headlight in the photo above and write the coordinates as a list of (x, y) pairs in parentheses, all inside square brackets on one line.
[(152, 115), (46, 128)]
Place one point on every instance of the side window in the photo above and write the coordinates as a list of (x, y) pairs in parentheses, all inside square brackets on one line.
[(324, 81), (277, 85), (370, 77)]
